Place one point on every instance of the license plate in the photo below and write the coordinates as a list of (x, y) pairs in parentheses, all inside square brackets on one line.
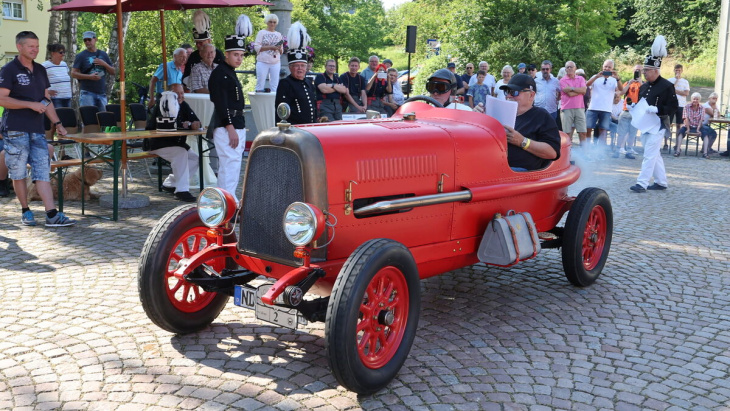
[(250, 298)]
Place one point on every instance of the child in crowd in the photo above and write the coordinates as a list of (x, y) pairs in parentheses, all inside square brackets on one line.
[(478, 92)]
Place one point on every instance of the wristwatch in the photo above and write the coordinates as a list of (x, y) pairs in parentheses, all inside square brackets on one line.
[(56, 123), (525, 143)]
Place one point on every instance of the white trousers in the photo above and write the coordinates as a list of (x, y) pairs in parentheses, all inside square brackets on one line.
[(229, 159), (183, 163), (272, 71), (652, 164)]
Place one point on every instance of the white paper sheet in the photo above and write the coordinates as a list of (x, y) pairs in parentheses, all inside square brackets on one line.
[(504, 111), (646, 122)]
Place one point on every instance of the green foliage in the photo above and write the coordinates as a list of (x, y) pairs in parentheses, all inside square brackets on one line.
[(143, 42), (341, 29), (686, 24)]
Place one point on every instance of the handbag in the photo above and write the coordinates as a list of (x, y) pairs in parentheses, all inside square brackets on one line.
[(509, 239)]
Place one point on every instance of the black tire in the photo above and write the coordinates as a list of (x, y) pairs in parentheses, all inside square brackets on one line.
[(587, 236), (368, 368), (173, 305)]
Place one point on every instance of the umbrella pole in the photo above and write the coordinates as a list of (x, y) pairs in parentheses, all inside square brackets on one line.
[(122, 96), (164, 51)]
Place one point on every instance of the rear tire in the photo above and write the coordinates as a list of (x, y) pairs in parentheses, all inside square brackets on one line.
[(177, 305), (372, 315), (587, 236)]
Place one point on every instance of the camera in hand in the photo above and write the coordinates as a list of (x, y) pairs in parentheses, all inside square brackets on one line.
[(637, 74)]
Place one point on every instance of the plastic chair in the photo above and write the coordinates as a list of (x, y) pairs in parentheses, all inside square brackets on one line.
[(139, 116), (117, 110), (88, 119), (106, 119)]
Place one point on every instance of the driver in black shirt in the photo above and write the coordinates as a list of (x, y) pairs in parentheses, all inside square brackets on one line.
[(534, 141)]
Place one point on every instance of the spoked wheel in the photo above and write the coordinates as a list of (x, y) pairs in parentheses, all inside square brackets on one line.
[(174, 304), (587, 236), (372, 315)]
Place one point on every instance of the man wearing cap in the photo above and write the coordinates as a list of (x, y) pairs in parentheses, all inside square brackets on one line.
[(521, 68), (201, 37), (442, 87), (296, 91), (532, 70), (460, 89), (227, 122), (659, 93), (534, 141), (388, 63), (372, 67), (90, 68)]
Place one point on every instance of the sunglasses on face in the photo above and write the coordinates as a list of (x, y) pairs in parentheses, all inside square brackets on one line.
[(544, 69), (514, 93), (438, 87)]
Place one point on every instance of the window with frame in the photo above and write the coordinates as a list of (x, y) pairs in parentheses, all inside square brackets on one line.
[(14, 9)]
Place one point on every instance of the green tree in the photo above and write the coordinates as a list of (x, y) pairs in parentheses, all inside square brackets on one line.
[(687, 25), (341, 29)]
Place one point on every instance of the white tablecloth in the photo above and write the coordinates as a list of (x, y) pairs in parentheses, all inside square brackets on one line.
[(263, 110), (203, 108), (201, 105)]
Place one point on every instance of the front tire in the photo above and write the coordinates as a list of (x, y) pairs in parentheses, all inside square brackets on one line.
[(587, 236), (372, 315), (172, 304)]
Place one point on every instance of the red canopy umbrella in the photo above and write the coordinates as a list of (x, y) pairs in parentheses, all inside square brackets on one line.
[(120, 6)]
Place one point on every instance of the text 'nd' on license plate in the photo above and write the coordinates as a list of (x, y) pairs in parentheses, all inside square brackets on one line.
[(250, 298)]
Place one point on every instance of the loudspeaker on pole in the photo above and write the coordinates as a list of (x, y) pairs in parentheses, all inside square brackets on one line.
[(411, 39)]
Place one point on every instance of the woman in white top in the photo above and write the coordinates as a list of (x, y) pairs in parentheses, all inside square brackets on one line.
[(269, 45), (507, 72), (58, 76)]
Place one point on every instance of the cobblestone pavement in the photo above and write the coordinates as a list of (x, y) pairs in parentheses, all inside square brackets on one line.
[(652, 333)]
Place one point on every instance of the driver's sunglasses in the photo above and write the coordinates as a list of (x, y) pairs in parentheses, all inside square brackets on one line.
[(514, 93), (438, 87)]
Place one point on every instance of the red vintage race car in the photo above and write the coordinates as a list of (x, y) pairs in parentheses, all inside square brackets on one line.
[(343, 220)]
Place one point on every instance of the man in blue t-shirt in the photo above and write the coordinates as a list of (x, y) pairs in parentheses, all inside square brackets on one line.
[(175, 70), (23, 93), (91, 68)]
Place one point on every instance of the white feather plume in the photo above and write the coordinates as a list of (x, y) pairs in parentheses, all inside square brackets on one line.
[(298, 37), (659, 47), (169, 107), (243, 26), (201, 21)]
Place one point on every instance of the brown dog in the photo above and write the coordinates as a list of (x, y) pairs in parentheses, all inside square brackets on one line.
[(71, 185)]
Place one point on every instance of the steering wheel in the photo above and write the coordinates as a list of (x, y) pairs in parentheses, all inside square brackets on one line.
[(427, 99)]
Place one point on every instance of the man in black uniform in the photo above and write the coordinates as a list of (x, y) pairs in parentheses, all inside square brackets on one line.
[(534, 142), (295, 89), (227, 123), (183, 161), (659, 94), (201, 38)]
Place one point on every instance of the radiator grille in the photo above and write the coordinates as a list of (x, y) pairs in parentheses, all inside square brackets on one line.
[(273, 181)]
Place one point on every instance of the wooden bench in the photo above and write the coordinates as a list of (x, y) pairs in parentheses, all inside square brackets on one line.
[(59, 166)]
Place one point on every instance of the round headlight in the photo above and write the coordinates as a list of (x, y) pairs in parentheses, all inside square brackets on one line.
[(303, 223), (215, 206)]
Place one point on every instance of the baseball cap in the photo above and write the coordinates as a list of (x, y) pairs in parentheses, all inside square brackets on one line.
[(531, 67), (388, 61), (521, 66), (89, 35), (520, 82), (451, 65)]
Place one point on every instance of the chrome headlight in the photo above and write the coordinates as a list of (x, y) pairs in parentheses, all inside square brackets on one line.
[(215, 206), (303, 223)]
